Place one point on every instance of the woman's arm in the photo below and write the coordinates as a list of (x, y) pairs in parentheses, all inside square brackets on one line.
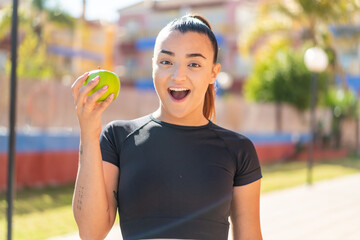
[(245, 212), (94, 204)]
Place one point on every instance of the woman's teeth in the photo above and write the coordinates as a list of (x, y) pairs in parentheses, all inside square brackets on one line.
[(179, 93), (178, 89)]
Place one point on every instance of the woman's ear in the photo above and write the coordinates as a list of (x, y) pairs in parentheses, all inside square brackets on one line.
[(215, 71)]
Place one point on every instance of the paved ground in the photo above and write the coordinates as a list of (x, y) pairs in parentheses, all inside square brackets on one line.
[(328, 210)]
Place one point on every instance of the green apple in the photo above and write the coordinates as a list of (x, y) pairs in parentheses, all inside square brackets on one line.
[(106, 78)]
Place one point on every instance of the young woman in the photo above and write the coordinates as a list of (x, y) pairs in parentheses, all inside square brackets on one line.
[(173, 174)]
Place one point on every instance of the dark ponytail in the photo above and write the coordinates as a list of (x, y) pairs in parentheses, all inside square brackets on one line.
[(197, 23), (209, 103)]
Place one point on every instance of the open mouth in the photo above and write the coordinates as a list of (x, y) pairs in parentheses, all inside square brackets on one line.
[(178, 93)]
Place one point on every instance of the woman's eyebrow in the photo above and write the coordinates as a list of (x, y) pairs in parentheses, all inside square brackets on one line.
[(187, 55), (195, 55), (167, 52)]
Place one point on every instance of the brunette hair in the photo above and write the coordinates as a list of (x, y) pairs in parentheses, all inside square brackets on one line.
[(198, 24)]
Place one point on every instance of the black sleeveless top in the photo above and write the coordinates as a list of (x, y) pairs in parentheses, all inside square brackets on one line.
[(177, 181)]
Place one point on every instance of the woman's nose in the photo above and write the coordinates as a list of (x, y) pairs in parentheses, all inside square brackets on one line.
[(179, 73)]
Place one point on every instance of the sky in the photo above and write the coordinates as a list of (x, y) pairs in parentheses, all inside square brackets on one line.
[(96, 9)]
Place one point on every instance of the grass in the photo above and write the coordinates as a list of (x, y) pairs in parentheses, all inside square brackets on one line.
[(44, 213), (40, 213), (290, 174)]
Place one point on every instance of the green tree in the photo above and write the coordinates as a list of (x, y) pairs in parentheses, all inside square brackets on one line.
[(33, 59), (297, 24), (298, 20), (42, 14), (343, 104), (280, 76)]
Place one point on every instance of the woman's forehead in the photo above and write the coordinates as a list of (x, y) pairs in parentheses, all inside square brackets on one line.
[(177, 41)]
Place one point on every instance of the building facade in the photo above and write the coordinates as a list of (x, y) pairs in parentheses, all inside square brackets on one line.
[(86, 47)]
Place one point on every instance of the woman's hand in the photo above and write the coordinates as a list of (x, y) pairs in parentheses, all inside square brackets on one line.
[(88, 110)]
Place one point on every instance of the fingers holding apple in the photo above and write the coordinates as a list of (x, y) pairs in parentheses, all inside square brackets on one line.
[(93, 92), (83, 95), (96, 85), (106, 78), (93, 104), (75, 88)]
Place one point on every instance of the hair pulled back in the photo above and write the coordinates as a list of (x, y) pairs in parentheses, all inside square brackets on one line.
[(198, 24)]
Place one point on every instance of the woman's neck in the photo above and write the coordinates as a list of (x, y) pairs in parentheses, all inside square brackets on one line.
[(193, 120)]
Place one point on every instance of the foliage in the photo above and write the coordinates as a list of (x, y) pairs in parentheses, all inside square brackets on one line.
[(343, 103), (298, 24), (34, 62), (5, 21), (334, 9), (6, 18), (53, 14), (306, 10), (57, 16), (280, 75), (297, 19)]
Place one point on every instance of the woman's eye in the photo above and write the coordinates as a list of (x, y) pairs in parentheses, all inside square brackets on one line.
[(165, 62), (194, 65)]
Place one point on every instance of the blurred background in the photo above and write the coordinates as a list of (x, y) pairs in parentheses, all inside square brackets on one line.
[(264, 90)]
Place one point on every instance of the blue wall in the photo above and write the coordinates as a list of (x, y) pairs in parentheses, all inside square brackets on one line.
[(44, 142), (41, 141)]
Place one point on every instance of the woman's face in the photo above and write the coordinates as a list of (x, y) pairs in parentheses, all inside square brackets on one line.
[(183, 68)]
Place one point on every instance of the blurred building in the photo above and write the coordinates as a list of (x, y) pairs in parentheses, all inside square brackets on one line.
[(347, 47), (140, 23), (5, 42), (88, 46)]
